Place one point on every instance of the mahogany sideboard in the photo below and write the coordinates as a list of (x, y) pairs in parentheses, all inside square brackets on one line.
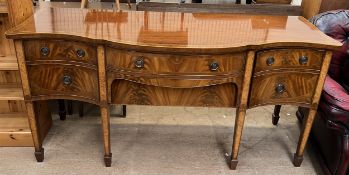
[(171, 59)]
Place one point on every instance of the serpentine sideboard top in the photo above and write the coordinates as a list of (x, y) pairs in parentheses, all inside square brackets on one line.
[(197, 32)]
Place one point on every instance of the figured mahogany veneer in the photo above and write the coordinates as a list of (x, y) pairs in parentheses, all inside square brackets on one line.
[(57, 81), (176, 59), (125, 92), (228, 64), (298, 88), (60, 51), (289, 60)]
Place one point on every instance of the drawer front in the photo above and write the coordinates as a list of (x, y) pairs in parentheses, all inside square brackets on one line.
[(40, 50), (167, 63), (126, 92), (283, 88), (52, 80), (289, 59)]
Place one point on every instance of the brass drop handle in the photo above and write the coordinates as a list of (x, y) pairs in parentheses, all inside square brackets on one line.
[(67, 80), (44, 51), (139, 62), (303, 60), (270, 61), (80, 53), (214, 66), (280, 88)]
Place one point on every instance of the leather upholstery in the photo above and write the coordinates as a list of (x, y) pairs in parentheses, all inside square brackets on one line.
[(330, 131), (336, 25)]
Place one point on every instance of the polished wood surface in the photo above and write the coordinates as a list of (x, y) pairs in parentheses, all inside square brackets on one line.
[(175, 64), (289, 60), (179, 59), (206, 32), (84, 82), (126, 92), (299, 88), (60, 51)]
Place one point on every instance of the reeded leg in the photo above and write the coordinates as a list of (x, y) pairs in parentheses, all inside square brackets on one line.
[(106, 135), (303, 138), (33, 123), (70, 107), (276, 114), (62, 112), (123, 111), (239, 124), (81, 109)]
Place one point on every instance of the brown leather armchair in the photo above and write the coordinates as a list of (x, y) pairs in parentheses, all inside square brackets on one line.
[(330, 132)]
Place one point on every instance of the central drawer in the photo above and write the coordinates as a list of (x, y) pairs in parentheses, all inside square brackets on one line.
[(59, 81), (175, 64)]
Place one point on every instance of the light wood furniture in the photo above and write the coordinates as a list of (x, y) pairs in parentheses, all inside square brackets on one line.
[(14, 126), (172, 59), (312, 7)]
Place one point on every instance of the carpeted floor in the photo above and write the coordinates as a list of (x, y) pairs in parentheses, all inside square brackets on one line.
[(166, 141)]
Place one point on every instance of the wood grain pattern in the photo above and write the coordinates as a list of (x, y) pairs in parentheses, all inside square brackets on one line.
[(288, 59), (3, 7), (125, 92), (241, 109), (60, 51), (47, 82), (43, 117), (19, 11), (14, 130), (175, 83), (175, 72), (22, 68), (11, 77), (12, 106), (105, 116), (124, 61), (299, 89), (11, 92), (234, 32), (312, 112), (6, 45)]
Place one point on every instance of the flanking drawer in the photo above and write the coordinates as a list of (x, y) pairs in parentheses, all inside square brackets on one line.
[(288, 59), (62, 81), (56, 50), (167, 63), (279, 88)]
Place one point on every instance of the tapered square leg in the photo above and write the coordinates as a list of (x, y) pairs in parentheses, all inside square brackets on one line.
[(233, 164), (297, 160), (303, 138), (239, 123), (39, 155), (108, 160), (106, 135)]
